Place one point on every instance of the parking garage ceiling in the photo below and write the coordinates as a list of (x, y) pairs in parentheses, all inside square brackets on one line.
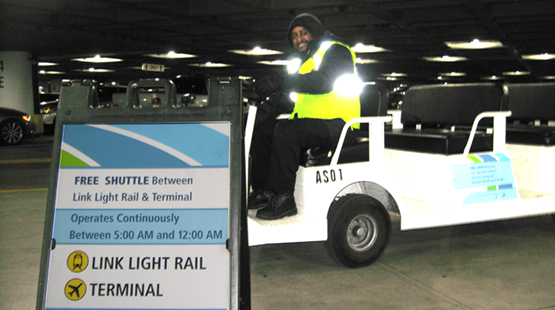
[(57, 31)]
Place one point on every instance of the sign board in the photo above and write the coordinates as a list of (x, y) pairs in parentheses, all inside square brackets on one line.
[(153, 67), (144, 215)]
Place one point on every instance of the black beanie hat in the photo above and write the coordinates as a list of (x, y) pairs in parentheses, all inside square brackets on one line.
[(309, 22)]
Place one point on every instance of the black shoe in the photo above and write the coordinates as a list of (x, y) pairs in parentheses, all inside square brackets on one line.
[(260, 198), (281, 205)]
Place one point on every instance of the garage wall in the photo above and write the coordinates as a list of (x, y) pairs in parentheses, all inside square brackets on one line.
[(16, 81)]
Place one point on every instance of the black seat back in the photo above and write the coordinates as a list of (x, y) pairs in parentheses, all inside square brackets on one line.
[(531, 101), (533, 108), (448, 105), (373, 100)]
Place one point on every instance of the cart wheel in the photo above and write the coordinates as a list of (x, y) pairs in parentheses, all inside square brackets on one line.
[(358, 230)]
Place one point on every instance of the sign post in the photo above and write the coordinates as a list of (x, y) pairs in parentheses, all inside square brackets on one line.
[(144, 206)]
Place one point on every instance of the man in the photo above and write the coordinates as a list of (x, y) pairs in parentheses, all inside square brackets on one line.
[(318, 117)]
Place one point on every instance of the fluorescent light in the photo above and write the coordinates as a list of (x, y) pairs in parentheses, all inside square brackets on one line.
[(257, 51), (98, 59), (544, 56), (516, 73), (445, 58), (45, 64), (50, 72), (279, 62), (388, 78), (492, 78), (453, 74), (365, 61), (171, 55), (475, 44), (211, 65), (362, 48), (94, 70), (393, 74)]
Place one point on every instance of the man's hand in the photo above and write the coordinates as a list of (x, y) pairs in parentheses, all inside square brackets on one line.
[(268, 85)]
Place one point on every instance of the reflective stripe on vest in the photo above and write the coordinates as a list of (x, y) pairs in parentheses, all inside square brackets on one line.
[(330, 105)]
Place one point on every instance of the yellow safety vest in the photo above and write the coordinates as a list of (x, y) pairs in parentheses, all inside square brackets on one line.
[(330, 105)]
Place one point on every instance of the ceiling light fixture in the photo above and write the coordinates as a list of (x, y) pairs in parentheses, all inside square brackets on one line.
[(475, 44), (98, 59), (46, 64), (211, 65), (171, 55), (50, 72), (492, 78), (94, 70), (388, 78), (394, 74), (544, 56), (362, 48), (365, 61), (279, 62), (257, 51), (516, 73), (445, 58), (453, 74)]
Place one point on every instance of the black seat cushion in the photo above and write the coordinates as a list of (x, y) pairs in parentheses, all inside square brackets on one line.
[(353, 152), (531, 135)]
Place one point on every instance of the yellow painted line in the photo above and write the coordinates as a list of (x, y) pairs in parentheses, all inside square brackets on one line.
[(24, 190), (26, 161)]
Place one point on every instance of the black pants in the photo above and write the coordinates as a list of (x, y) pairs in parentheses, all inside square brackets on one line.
[(277, 146)]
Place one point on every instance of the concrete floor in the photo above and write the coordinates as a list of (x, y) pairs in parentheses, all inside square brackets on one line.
[(499, 265)]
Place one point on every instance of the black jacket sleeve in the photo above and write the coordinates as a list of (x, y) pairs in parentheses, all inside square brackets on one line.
[(336, 62)]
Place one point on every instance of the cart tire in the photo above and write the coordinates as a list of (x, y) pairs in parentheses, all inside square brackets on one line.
[(358, 230)]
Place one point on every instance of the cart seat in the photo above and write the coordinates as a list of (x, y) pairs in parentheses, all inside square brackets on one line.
[(533, 114), (437, 118)]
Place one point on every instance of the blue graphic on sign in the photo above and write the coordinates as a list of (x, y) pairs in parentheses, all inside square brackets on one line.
[(147, 145)]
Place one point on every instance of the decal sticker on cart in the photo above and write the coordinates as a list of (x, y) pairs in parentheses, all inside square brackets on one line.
[(485, 178)]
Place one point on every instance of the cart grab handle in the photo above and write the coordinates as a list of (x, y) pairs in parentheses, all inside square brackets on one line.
[(375, 133), (499, 130)]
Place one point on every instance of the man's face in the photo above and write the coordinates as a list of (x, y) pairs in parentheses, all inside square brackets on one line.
[(300, 38)]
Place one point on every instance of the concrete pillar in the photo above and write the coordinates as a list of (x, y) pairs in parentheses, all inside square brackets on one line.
[(16, 81)]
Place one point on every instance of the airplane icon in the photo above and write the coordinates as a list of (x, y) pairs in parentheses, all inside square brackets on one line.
[(75, 290)]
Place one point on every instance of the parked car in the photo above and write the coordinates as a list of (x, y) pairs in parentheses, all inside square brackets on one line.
[(15, 126), (49, 109)]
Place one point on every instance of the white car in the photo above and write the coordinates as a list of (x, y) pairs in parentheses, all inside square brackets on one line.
[(49, 110)]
